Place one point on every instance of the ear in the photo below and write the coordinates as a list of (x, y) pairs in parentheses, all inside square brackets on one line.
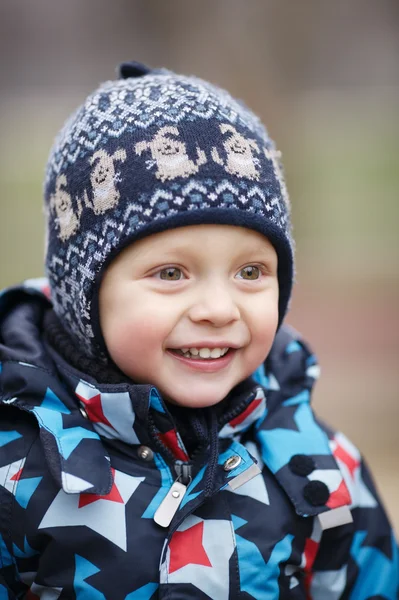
[(225, 127), (119, 155), (98, 155), (61, 181), (140, 147), (167, 129)]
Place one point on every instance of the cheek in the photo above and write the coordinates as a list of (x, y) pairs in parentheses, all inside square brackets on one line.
[(264, 323), (135, 334)]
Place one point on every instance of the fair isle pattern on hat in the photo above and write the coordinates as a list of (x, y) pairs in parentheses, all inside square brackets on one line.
[(144, 154)]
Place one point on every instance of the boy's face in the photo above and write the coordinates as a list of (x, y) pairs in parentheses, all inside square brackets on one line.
[(202, 287)]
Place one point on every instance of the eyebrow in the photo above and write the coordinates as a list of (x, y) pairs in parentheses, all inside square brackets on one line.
[(258, 250)]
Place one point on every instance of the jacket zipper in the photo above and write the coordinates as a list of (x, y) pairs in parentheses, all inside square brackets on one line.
[(170, 504)]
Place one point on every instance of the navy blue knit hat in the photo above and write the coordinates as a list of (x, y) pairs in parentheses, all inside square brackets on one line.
[(148, 152)]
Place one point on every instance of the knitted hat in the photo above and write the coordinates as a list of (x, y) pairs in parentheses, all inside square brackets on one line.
[(149, 152)]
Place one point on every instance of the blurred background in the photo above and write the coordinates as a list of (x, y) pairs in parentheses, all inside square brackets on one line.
[(324, 77)]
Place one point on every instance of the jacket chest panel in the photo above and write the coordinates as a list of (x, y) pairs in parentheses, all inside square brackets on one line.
[(217, 554), (216, 551)]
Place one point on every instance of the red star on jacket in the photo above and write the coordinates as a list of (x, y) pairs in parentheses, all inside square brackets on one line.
[(17, 475), (250, 409), (113, 496), (186, 548), (343, 455), (339, 497), (94, 409), (169, 438)]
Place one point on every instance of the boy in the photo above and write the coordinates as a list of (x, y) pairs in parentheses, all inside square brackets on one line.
[(156, 436)]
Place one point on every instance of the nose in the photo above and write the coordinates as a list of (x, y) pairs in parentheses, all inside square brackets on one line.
[(215, 305)]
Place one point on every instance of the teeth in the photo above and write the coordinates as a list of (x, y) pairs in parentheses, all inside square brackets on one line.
[(203, 352), (216, 352)]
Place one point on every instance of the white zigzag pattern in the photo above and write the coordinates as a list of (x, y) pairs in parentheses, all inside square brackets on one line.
[(141, 111), (194, 185), (226, 185), (160, 195), (132, 208)]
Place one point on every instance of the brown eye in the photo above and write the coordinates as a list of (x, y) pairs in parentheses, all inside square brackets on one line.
[(171, 274), (249, 273)]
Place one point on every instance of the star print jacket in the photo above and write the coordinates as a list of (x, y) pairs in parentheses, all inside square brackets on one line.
[(100, 498)]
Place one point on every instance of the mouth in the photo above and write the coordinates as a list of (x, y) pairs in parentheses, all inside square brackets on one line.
[(206, 360), (202, 353)]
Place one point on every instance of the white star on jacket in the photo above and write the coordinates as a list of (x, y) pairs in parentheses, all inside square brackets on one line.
[(104, 514)]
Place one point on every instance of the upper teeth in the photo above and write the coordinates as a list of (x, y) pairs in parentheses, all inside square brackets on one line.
[(204, 352)]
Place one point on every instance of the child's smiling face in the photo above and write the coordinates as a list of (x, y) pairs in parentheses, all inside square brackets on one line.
[(170, 299)]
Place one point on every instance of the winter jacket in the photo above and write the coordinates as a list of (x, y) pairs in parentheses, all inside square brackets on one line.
[(99, 498)]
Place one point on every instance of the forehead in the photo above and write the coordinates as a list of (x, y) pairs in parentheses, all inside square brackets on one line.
[(198, 239)]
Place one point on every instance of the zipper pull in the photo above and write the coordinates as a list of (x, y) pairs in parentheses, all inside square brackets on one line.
[(170, 504), (183, 471)]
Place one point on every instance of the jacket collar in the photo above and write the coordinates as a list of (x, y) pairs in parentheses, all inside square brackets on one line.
[(75, 412)]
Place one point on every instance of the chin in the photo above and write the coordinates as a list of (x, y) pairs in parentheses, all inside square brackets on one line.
[(200, 400)]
